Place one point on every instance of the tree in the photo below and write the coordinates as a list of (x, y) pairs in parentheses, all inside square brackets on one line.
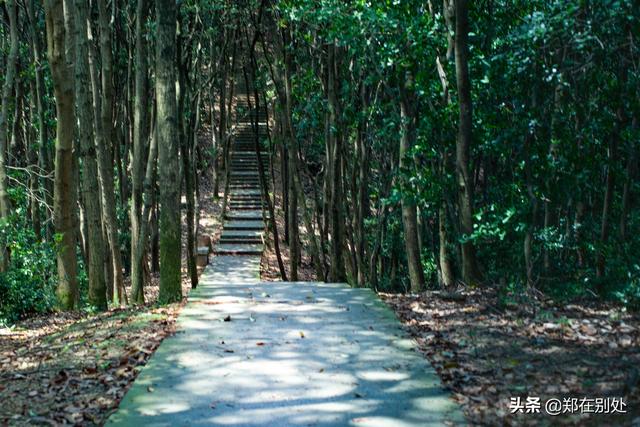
[(90, 187), (409, 211), (5, 204), (140, 136), (168, 160), (58, 17), (470, 270)]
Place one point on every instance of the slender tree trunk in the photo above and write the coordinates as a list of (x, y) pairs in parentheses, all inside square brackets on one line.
[(138, 257), (447, 276), (188, 189), (9, 80), (409, 210), (292, 199), (140, 138), (57, 22), (632, 171), (104, 132), (337, 269), (90, 187), (607, 203), (44, 158), (168, 151), (32, 149), (470, 269)]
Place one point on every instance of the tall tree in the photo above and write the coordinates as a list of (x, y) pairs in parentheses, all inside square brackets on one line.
[(57, 15), (470, 270), (7, 90), (104, 143), (90, 187), (409, 210), (140, 136), (168, 160)]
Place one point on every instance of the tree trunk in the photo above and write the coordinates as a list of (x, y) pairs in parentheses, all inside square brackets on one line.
[(57, 22), (447, 276), (140, 138), (9, 80), (104, 134), (409, 210), (138, 257), (607, 203), (90, 187), (44, 160), (32, 149), (292, 199), (632, 171), (470, 269), (334, 138), (168, 163)]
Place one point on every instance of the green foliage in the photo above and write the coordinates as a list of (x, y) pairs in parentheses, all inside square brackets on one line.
[(28, 286)]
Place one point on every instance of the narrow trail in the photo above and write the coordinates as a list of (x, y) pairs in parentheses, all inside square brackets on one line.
[(251, 353)]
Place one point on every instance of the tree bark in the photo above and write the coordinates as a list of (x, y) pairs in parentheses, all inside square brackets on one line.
[(168, 152), (334, 139), (90, 187), (470, 269), (140, 138), (104, 134), (607, 204), (9, 80), (57, 22), (409, 210)]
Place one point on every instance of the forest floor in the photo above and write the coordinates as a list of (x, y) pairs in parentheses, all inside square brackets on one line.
[(75, 367), (486, 355)]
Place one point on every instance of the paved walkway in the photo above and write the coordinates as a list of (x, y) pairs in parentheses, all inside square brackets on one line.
[(276, 354), (249, 353)]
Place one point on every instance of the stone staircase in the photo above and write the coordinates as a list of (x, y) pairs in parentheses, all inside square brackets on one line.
[(244, 219)]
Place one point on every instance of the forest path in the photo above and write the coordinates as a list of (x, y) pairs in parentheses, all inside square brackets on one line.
[(251, 353)]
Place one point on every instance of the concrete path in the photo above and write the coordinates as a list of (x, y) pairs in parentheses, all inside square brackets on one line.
[(249, 353)]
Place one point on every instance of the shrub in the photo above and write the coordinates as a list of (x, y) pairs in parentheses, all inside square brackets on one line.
[(28, 285)]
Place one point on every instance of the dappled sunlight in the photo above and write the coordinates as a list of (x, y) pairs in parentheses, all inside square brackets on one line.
[(278, 353)]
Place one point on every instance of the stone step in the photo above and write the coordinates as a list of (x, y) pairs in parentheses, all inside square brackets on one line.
[(235, 187), (238, 225), (244, 192), (246, 208), (247, 203), (246, 161), (256, 234), (239, 249), (246, 198), (248, 215), (244, 202), (241, 240), (248, 156), (247, 167)]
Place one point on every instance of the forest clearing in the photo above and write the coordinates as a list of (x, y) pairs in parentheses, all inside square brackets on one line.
[(293, 213)]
